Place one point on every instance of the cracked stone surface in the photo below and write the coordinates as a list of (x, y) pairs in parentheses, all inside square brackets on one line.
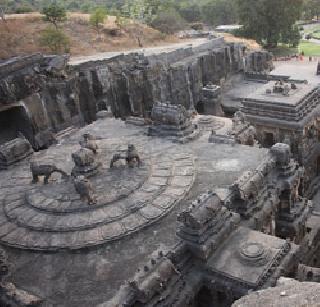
[(37, 218)]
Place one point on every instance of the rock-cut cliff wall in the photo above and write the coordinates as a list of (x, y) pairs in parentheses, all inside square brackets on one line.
[(50, 95)]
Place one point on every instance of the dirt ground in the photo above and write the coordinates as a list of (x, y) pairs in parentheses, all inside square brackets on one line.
[(21, 33), (250, 43)]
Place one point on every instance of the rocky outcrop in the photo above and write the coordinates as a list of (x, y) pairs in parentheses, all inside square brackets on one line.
[(287, 293), (37, 98), (52, 96), (131, 83)]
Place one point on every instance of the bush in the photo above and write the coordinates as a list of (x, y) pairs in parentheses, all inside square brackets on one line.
[(86, 7), (98, 17), (55, 40), (23, 9), (197, 26), (239, 33), (54, 13), (168, 22)]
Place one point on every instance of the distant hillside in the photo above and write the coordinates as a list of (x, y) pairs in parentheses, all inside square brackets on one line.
[(208, 11), (22, 32)]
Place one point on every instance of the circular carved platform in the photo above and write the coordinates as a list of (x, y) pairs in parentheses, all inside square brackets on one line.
[(254, 253), (52, 217)]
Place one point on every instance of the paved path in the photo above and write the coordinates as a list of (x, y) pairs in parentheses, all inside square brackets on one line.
[(313, 40)]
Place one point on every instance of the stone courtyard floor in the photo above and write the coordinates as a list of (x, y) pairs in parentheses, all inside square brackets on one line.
[(72, 254)]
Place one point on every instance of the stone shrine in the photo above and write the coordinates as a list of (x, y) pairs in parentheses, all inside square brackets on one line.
[(172, 121), (211, 100)]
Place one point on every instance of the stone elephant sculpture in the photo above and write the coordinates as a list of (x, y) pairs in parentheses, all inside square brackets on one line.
[(45, 170)]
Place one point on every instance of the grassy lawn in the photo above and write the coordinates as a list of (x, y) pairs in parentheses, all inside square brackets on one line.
[(316, 35), (309, 49)]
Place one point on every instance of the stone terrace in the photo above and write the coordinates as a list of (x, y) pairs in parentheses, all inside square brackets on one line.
[(297, 106)]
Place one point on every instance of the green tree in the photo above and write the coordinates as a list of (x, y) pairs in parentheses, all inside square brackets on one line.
[(85, 7), (191, 12), (291, 36), (145, 10), (219, 12), (55, 40), (311, 9), (73, 5), (168, 22), (3, 10), (54, 13), (267, 20), (98, 17), (23, 8)]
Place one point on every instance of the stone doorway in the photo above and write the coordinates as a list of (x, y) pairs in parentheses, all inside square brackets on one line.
[(200, 107), (13, 121)]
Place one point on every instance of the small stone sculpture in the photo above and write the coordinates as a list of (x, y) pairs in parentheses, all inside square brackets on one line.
[(278, 87), (89, 142), (85, 189), (131, 157), (283, 88), (85, 163), (286, 90), (45, 170)]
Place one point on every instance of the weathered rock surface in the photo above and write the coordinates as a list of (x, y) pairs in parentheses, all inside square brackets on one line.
[(288, 293), (51, 96)]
